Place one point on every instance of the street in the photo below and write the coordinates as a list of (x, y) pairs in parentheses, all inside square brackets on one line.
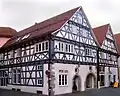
[(92, 92), (97, 92)]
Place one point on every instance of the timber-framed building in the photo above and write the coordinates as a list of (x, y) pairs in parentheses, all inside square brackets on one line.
[(68, 47)]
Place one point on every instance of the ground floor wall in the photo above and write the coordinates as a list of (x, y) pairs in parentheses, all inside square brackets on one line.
[(70, 77), (30, 87), (82, 72)]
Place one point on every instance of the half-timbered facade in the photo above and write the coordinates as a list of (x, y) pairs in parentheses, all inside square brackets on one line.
[(117, 38), (108, 55), (65, 45)]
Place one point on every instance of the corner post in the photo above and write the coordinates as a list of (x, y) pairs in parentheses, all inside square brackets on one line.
[(98, 77)]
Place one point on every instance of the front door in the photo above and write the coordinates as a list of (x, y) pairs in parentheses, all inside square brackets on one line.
[(76, 84)]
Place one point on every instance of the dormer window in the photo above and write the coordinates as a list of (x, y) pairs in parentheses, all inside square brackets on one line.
[(11, 54), (17, 39), (1, 56), (18, 52), (26, 36)]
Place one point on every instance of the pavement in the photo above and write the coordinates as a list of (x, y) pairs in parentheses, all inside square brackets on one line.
[(92, 92)]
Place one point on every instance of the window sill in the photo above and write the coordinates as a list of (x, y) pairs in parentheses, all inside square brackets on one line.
[(63, 85)]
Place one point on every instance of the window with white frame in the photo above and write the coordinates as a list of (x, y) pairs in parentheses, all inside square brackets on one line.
[(64, 47), (60, 46), (42, 46), (63, 79)]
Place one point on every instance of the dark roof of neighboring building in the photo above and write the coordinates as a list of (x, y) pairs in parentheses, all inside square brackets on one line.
[(7, 32), (100, 33), (42, 29)]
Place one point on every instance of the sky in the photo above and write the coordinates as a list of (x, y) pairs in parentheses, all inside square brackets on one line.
[(20, 14)]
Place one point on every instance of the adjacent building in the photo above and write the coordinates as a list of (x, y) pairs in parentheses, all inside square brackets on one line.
[(5, 34), (108, 55), (117, 37), (68, 48)]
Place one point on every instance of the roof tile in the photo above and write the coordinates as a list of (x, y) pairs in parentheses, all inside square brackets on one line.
[(100, 33)]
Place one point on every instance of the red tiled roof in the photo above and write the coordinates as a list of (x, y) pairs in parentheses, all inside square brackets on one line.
[(7, 32), (100, 33), (43, 28), (117, 38)]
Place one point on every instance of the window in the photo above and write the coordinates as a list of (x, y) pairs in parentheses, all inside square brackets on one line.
[(101, 69), (39, 81), (17, 39), (88, 52), (66, 48), (1, 56), (26, 36), (71, 48), (63, 79), (59, 46), (36, 48), (12, 54), (62, 46), (46, 45), (43, 47), (16, 76), (18, 52), (39, 47), (39, 67)]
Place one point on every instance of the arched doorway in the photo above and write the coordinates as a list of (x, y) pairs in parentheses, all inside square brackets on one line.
[(90, 81), (76, 83)]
